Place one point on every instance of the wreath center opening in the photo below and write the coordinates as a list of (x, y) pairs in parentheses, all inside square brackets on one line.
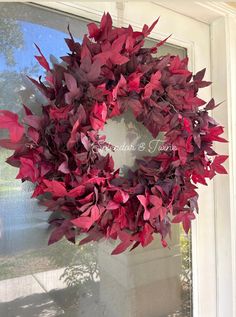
[(130, 140)]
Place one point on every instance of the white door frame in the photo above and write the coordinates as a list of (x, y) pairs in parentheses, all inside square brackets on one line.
[(207, 30)]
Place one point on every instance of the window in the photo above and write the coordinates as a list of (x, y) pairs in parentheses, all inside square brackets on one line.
[(36, 280)]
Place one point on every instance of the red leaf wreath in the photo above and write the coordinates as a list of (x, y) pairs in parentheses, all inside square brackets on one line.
[(104, 76)]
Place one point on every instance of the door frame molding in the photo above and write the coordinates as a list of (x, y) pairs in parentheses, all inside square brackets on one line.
[(221, 20)]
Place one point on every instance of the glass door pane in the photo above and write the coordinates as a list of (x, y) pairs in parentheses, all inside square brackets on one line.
[(63, 279)]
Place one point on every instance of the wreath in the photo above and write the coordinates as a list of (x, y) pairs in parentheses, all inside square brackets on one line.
[(59, 151)]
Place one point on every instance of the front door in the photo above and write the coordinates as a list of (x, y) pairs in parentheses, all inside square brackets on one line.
[(63, 279)]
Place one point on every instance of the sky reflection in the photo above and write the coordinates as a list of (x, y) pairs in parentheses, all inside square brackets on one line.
[(50, 41)]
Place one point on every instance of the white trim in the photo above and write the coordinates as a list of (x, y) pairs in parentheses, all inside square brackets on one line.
[(231, 78), (221, 184), (226, 253), (221, 8), (95, 11), (230, 24)]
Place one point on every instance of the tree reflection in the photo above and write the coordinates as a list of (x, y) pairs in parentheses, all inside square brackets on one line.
[(83, 268), (186, 273), (11, 38)]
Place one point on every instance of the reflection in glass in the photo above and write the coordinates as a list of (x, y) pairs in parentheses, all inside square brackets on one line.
[(63, 279), (132, 142)]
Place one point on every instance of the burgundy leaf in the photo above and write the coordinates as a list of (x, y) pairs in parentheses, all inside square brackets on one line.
[(28, 170), (64, 168), (8, 144), (77, 191), (121, 247), (42, 60), (121, 197), (9, 121), (83, 222), (112, 205), (144, 201), (74, 135), (56, 188), (95, 213), (98, 116), (56, 235), (218, 168), (185, 218), (33, 121)]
